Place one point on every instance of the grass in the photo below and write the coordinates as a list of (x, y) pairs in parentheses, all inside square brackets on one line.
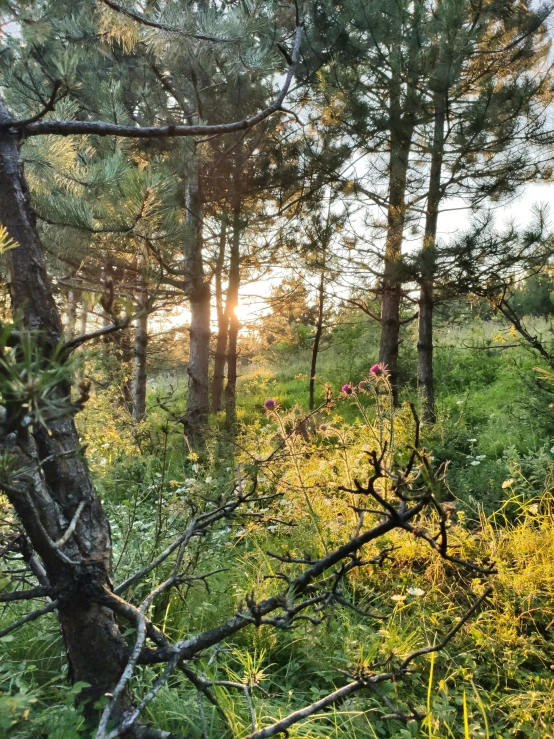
[(495, 680)]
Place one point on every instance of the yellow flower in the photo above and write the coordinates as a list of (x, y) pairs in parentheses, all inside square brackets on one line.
[(508, 483)]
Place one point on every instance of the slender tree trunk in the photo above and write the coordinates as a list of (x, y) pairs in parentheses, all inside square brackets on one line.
[(70, 313), (425, 379), (222, 323), (401, 141), (230, 308), (83, 565), (140, 351), (83, 321), (318, 332), (120, 342), (198, 292)]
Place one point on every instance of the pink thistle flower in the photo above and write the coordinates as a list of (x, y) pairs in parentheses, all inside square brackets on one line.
[(347, 389), (376, 370), (270, 404)]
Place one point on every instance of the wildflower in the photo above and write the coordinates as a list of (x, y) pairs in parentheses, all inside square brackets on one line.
[(398, 597), (209, 479), (552, 450), (415, 591), (270, 404), (480, 457), (472, 441), (475, 462), (508, 483), (377, 370), (534, 508), (347, 389)]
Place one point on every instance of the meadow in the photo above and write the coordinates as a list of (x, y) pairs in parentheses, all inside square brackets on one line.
[(493, 449)]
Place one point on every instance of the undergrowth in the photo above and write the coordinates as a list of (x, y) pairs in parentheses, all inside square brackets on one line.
[(494, 680)]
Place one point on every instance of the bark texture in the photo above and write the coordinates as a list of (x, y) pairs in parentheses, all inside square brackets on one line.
[(425, 377), (222, 324), (197, 290), (400, 144), (140, 354), (318, 333), (231, 310), (71, 313), (50, 499)]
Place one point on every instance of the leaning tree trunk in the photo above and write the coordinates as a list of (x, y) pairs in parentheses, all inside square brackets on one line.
[(197, 289), (140, 351), (222, 324), (425, 379), (401, 141), (231, 310), (82, 566)]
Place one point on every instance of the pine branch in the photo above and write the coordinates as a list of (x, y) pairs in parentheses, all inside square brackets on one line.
[(49, 106), (104, 128), (139, 18)]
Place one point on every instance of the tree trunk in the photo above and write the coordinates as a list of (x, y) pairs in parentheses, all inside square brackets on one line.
[(318, 332), (140, 352), (70, 314), (222, 324), (83, 565), (197, 290), (83, 321), (425, 379), (401, 141), (231, 310)]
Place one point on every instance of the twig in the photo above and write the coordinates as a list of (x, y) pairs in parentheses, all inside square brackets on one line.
[(139, 18), (25, 594), (71, 528), (50, 105), (451, 634), (29, 617)]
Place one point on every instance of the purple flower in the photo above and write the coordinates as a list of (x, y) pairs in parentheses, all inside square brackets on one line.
[(270, 404), (377, 370), (348, 389)]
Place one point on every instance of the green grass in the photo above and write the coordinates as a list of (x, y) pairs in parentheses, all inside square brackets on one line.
[(494, 680)]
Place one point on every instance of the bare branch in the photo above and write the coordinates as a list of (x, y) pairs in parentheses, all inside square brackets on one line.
[(71, 528), (451, 634), (281, 726), (25, 594), (29, 617)]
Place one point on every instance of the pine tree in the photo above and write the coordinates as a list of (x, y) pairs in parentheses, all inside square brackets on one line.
[(488, 97), (56, 502)]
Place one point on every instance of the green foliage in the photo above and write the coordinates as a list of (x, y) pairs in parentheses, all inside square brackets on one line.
[(536, 296)]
